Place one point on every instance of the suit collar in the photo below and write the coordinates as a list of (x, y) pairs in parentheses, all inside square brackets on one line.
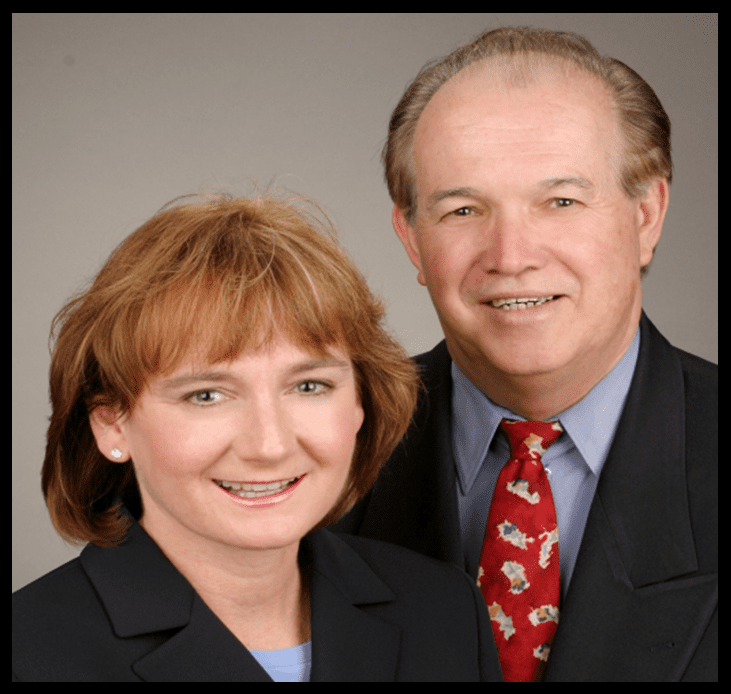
[(330, 559), (634, 599), (143, 593), (137, 575), (341, 582), (643, 488), (590, 424)]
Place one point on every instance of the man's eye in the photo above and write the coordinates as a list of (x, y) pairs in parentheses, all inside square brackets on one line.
[(563, 202)]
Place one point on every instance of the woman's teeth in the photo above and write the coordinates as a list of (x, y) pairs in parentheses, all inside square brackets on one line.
[(518, 304), (248, 490)]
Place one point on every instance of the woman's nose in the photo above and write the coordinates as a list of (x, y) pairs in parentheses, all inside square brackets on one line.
[(268, 434)]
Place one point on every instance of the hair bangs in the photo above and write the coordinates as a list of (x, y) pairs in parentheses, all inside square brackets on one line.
[(216, 321), (235, 288)]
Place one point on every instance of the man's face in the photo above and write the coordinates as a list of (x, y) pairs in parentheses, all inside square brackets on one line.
[(518, 198)]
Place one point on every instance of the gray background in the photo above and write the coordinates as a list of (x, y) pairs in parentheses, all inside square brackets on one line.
[(115, 114)]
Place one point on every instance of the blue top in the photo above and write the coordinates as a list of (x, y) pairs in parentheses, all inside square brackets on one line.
[(288, 664)]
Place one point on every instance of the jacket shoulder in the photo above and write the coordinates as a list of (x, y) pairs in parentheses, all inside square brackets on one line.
[(411, 574), (46, 620), (433, 364), (445, 629), (61, 632), (700, 385), (701, 379), (53, 597)]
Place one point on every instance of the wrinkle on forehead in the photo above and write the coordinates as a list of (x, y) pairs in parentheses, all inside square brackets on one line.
[(478, 115)]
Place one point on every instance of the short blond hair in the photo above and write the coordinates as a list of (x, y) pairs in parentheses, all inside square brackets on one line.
[(214, 276)]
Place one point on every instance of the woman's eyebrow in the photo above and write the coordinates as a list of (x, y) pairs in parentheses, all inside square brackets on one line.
[(197, 377), (319, 363)]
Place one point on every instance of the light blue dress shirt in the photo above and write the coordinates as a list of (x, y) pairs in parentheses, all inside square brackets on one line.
[(574, 462)]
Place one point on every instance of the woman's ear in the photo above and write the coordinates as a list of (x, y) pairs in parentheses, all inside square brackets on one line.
[(105, 422)]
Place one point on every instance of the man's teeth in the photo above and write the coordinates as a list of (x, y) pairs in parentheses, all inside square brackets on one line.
[(248, 490), (522, 303)]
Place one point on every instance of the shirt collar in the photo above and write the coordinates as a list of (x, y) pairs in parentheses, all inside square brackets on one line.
[(589, 423)]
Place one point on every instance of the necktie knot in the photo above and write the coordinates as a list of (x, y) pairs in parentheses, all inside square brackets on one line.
[(530, 440)]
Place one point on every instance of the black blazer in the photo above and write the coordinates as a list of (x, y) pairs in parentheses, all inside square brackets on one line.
[(642, 604), (379, 614)]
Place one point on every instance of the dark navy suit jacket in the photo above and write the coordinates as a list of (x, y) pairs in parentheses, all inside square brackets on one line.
[(643, 599), (379, 614)]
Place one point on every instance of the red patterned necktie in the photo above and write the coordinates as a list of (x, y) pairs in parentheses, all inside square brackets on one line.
[(519, 569)]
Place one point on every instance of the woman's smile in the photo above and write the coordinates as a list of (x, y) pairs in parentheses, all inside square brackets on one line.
[(274, 492)]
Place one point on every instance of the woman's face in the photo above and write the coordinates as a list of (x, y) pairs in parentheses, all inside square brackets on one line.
[(250, 454)]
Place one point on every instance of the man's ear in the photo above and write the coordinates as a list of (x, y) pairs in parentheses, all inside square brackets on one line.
[(652, 215), (408, 237), (106, 425)]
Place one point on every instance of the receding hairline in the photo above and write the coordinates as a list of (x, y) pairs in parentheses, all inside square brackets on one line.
[(523, 69), (520, 71)]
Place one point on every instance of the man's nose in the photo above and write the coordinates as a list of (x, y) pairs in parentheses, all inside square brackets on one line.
[(510, 244)]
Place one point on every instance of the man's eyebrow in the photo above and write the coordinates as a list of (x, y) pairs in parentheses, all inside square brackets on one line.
[(450, 193), (576, 181), (223, 376), (548, 184)]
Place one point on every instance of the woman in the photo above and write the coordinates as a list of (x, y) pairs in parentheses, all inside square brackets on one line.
[(222, 392)]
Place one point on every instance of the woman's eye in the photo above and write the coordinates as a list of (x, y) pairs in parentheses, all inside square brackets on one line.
[(205, 398), (313, 387)]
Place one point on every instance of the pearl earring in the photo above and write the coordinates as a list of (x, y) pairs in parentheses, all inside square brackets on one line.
[(116, 453)]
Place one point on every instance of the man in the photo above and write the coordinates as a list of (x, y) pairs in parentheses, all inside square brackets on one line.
[(530, 180)]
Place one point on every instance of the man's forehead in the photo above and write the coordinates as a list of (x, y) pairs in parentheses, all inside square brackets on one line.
[(544, 135), (490, 88)]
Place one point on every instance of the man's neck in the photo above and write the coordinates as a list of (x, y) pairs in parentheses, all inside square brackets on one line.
[(542, 396)]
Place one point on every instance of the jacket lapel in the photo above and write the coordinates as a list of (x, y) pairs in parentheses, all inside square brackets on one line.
[(348, 644), (145, 596), (629, 614), (204, 651)]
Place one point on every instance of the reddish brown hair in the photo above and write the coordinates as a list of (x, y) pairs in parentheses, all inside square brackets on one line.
[(213, 276)]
